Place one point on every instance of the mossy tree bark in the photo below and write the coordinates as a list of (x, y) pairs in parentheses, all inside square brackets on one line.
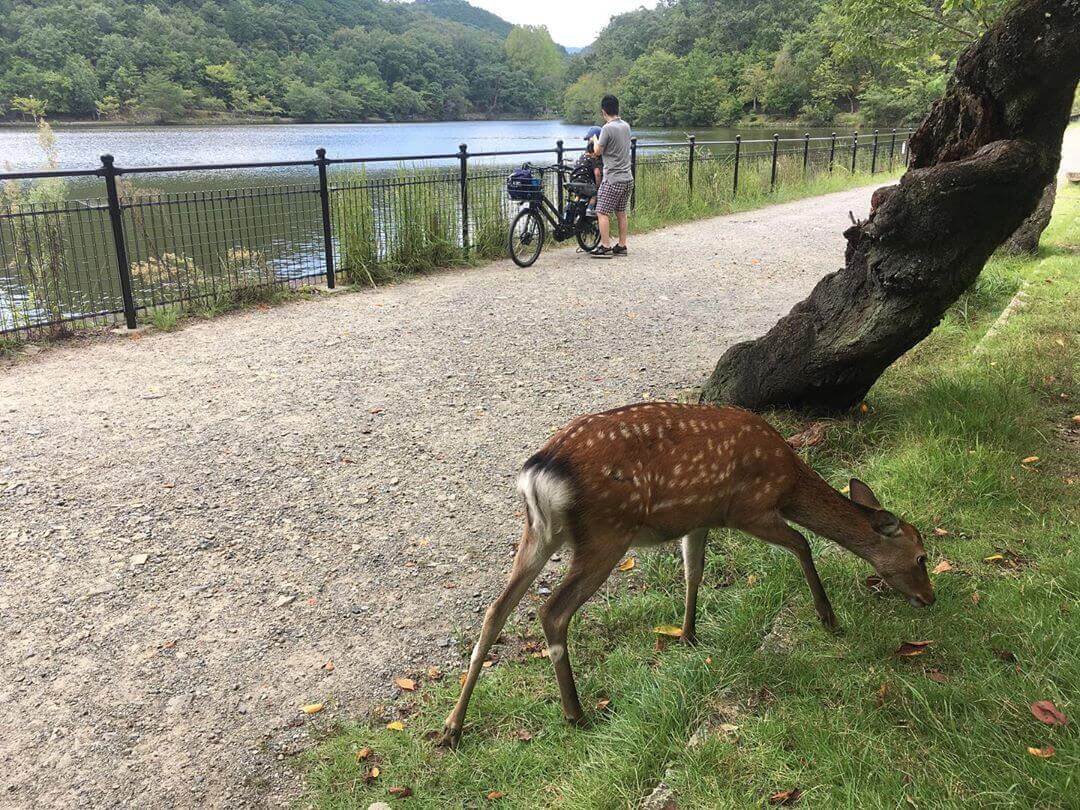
[(980, 162)]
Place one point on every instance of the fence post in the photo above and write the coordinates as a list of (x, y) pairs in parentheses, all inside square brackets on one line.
[(805, 152), (690, 167), (892, 148), (463, 158), (324, 199), (832, 152), (633, 172), (854, 149), (775, 149), (116, 218), (738, 148), (559, 175), (873, 158)]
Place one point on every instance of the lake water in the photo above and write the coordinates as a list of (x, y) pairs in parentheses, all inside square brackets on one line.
[(80, 147)]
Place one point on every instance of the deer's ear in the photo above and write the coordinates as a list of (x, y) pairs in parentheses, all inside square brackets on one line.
[(886, 523), (862, 494)]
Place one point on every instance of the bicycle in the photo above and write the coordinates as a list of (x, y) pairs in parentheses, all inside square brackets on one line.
[(528, 231)]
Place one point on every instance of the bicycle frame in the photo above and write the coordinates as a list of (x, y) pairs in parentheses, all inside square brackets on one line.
[(561, 230)]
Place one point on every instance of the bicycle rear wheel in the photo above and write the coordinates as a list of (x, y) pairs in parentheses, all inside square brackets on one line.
[(588, 234), (526, 237)]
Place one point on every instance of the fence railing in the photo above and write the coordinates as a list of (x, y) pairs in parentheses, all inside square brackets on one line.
[(133, 249)]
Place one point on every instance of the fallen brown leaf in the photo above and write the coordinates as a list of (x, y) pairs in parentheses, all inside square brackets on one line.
[(364, 753), (434, 674), (810, 437), (408, 684), (372, 775), (603, 703), (627, 564), (495, 794), (975, 598), (942, 567), (1042, 753), (1030, 460), (876, 584), (940, 532), (521, 735), (1046, 712), (395, 725), (786, 797), (312, 708), (879, 698), (488, 664), (400, 792), (909, 649), (937, 676)]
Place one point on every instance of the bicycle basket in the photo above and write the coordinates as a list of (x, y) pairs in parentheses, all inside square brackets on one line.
[(524, 184)]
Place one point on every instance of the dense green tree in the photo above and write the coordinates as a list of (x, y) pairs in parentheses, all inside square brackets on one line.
[(883, 60), (367, 59), (531, 50), (162, 100)]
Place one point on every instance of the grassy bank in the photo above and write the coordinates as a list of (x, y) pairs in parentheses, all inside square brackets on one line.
[(977, 447)]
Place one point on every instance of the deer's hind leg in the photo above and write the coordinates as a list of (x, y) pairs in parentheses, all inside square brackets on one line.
[(532, 553), (592, 563)]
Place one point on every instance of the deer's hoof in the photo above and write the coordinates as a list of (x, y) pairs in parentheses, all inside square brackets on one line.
[(689, 639), (450, 738), (830, 623), (581, 721)]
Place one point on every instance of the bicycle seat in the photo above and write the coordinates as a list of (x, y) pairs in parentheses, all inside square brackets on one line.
[(582, 189)]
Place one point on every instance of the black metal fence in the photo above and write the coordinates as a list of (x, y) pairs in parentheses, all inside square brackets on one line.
[(135, 250)]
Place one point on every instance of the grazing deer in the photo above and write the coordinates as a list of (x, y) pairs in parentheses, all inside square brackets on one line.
[(651, 473)]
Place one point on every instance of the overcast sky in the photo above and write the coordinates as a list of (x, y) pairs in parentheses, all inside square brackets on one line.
[(574, 23)]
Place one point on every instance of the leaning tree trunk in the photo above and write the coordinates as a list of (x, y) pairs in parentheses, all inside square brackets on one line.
[(979, 163)]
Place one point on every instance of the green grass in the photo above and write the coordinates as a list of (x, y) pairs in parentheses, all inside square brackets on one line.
[(840, 718)]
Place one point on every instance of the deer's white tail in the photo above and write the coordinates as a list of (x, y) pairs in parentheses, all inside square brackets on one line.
[(549, 499)]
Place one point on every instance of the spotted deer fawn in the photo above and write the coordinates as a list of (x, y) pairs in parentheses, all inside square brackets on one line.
[(651, 473)]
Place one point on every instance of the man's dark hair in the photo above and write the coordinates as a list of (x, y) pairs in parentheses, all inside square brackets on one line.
[(610, 105)]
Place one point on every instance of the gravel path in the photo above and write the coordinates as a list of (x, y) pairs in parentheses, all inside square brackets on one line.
[(193, 524)]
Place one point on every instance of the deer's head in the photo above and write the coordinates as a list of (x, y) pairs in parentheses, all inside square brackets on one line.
[(897, 551)]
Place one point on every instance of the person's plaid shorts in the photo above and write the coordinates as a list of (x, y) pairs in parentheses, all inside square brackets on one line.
[(613, 196)]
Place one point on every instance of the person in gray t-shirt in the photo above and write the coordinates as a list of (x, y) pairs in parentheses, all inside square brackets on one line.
[(618, 182)]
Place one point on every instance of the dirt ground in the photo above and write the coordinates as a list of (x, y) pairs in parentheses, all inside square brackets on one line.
[(193, 524)]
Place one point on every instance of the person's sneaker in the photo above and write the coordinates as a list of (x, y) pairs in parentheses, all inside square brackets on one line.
[(619, 250), (590, 212), (601, 252)]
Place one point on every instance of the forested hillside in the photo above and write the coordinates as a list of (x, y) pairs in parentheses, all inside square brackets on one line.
[(307, 59), (699, 62)]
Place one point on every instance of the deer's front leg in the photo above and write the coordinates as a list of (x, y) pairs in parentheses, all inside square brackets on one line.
[(693, 554), (775, 530)]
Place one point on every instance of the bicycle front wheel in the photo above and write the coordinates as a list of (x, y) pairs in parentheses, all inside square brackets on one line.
[(526, 237)]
